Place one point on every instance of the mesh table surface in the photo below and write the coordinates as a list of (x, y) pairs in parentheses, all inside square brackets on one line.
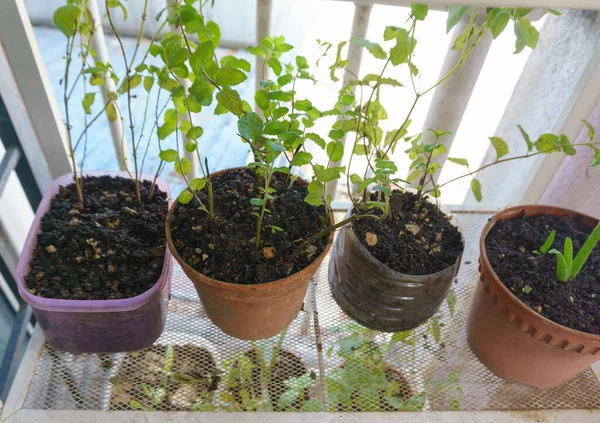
[(194, 366)]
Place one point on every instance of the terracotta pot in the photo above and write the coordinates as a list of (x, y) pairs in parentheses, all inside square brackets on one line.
[(248, 311), (514, 341), (381, 298)]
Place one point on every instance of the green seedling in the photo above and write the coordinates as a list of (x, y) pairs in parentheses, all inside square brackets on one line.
[(546, 247), (567, 268)]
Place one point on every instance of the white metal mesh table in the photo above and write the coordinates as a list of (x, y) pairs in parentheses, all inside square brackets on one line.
[(188, 368)]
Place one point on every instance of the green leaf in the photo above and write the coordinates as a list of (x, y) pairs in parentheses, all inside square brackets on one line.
[(229, 77), (476, 188), (198, 183), (336, 134), (303, 105), (287, 398), (111, 111), (455, 14), (459, 161), (260, 97), (374, 48), (165, 130), (194, 133), (591, 131), (404, 47), (568, 254), (275, 128), (527, 35), (328, 174), (500, 146), (169, 155), (419, 11), (301, 158), (434, 327), (190, 146), (301, 62), (183, 166), (520, 12), (202, 56), (497, 21), (285, 79), (275, 65), (148, 83), (250, 126), (526, 138), (451, 301), (65, 18), (585, 251), (185, 197), (97, 80), (316, 139), (553, 11), (87, 102), (230, 100), (235, 62), (548, 143), (257, 51), (176, 56), (281, 95), (561, 266), (335, 151), (355, 178), (546, 247), (280, 112), (566, 145)]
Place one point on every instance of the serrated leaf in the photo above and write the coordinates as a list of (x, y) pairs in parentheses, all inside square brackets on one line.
[(301, 158), (236, 62), (260, 97), (202, 56), (229, 77), (547, 143), (316, 139), (303, 105), (335, 151), (65, 18), (230, 100), (419, 11), (375, 49), (459, 161), (281, 95), (87, 102), (336, 134), (301, 62), (476, 188), (275, 128), (169, 156), (455, 14), (198, 183), (527, 35), (285, 79), (185, 197), (500, 146), (250, 126)]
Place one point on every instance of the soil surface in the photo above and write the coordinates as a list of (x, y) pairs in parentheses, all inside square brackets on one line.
[(287, 366), (415, 240), (532, 278), (224, 248), (179, 378), (111, 247)]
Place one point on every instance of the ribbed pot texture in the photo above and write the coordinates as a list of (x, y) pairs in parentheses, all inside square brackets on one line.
[(514, 341), (250, 311), (378, 297)]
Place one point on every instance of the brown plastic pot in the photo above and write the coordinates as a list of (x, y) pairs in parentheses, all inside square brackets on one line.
[(247, 311), (381, 298), (514, 341)]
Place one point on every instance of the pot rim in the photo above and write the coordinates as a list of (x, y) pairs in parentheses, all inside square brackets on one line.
[(289, 280), (85, 306), (530, 210), (400, 275)]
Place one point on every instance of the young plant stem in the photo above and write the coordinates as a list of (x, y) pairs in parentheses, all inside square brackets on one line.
[(78, 182), (524, 156), (136, 180), (264, 206), (424, 176), (209, 191)]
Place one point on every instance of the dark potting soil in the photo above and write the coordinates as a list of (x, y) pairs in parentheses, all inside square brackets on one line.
[(224, 248), (415, 240), (110, 247), (532, 278)]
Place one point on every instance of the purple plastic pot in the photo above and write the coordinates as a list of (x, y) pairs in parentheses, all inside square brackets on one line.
[(96, 326)]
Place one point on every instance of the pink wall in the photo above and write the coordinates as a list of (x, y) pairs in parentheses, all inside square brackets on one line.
[(576, 185)]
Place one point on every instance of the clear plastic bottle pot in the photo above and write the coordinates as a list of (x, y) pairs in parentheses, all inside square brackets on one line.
[(379, 297), (96, 326)]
